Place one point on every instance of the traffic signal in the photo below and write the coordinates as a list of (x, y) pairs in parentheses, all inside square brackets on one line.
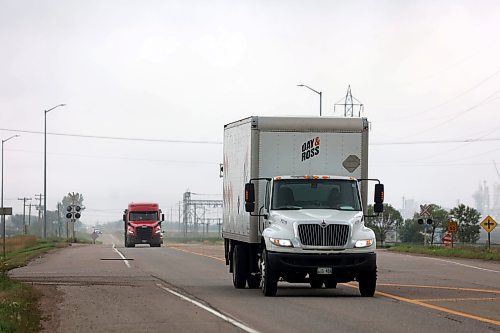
[(429, 221), (73, 212)]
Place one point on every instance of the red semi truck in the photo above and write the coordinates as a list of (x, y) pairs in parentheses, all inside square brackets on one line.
[(143, 224)]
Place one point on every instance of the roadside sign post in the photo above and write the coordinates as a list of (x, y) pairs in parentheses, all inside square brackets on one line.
[(94, 236), (452, 229), (488, 224), (425, 219), (4, 211)]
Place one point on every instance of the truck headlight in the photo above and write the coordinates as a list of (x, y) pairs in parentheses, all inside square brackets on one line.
[(281, 242), (363, 243)]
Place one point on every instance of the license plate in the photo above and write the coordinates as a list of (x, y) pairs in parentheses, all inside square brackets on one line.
[(324, 270)]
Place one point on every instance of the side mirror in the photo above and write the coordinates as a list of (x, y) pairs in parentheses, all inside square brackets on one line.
[(249, 197), (124, 218), (163, 217), (379, 193), (378, 207)]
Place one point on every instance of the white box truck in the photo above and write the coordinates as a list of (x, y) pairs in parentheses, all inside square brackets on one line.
[(295, 202)]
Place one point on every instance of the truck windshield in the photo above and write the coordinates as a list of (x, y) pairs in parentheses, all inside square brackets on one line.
[(316, 194), (143, 216)]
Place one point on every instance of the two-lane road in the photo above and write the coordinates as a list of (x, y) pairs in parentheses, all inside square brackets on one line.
[(188, 288)]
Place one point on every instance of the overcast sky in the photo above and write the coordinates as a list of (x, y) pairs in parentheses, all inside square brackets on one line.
[(177, 71)]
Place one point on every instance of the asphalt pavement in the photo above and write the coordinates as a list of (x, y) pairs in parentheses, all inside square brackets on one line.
[(187, 288)]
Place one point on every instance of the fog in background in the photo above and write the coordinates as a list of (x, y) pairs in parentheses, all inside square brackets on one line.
[(177, 71)]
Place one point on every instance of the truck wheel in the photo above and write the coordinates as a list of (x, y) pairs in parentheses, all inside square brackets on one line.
[(269, 280), (367, 283), (240, 266)]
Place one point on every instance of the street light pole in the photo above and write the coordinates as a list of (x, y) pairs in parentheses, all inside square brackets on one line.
[(3, 216), (317, 92), (45, 170)]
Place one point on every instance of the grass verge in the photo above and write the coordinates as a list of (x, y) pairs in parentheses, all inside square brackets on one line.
[(461, 251), (19, 311), (18, 306)]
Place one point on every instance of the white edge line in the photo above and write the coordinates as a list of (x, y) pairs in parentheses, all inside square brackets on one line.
[(469, 266), (212, 311), (121, 255)]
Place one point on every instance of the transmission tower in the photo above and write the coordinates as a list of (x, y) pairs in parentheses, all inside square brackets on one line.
[(350, 105), (195, 212)]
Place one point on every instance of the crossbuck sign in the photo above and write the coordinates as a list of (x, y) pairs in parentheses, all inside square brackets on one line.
[(425, 210)]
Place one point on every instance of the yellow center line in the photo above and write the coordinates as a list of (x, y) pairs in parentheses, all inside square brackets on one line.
[(457, 299), (431, 306), (399, 298), (197, 253), (438, 287)]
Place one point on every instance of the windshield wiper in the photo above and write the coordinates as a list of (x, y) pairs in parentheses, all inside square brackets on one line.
[(289, 208)]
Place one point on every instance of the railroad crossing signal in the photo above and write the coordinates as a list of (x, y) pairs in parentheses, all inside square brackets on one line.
[(488, 224), (73, 212), (425, 210), (425, 214), (452, 226)]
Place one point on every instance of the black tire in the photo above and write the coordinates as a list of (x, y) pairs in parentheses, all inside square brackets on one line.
[(331, 284), (240, 266), (253, 281), (367, 283), (155, 245), (269, 279), (316, 283)]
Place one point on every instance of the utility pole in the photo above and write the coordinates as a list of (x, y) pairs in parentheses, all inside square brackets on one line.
[(25, 231), (58, 219), (39, 197), (29, 215), (180, 229)]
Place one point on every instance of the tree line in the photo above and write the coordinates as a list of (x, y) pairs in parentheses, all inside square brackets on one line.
[(56, 219), (410, 231)]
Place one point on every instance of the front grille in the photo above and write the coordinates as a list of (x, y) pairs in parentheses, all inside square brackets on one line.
[(144, 233), (316, 235)]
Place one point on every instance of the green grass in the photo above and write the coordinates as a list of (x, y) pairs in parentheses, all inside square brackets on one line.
[(19, 311), (18, 306), (20, 257), (458, 251)]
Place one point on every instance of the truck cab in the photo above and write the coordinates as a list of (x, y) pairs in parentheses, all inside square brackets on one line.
[(142, 223), (313, 231)]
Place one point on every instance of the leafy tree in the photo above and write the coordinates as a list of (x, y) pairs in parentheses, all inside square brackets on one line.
[(440, 218), (468, 223), (385, 222), (411, 231)]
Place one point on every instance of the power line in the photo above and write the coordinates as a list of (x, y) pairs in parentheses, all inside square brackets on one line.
[(461, 113), (218, 143), (117, 157), (114, 137), (424, 142), (419, 114)]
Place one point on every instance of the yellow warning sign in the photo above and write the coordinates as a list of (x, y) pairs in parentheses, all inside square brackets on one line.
[(452, 226), (488, 224)]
